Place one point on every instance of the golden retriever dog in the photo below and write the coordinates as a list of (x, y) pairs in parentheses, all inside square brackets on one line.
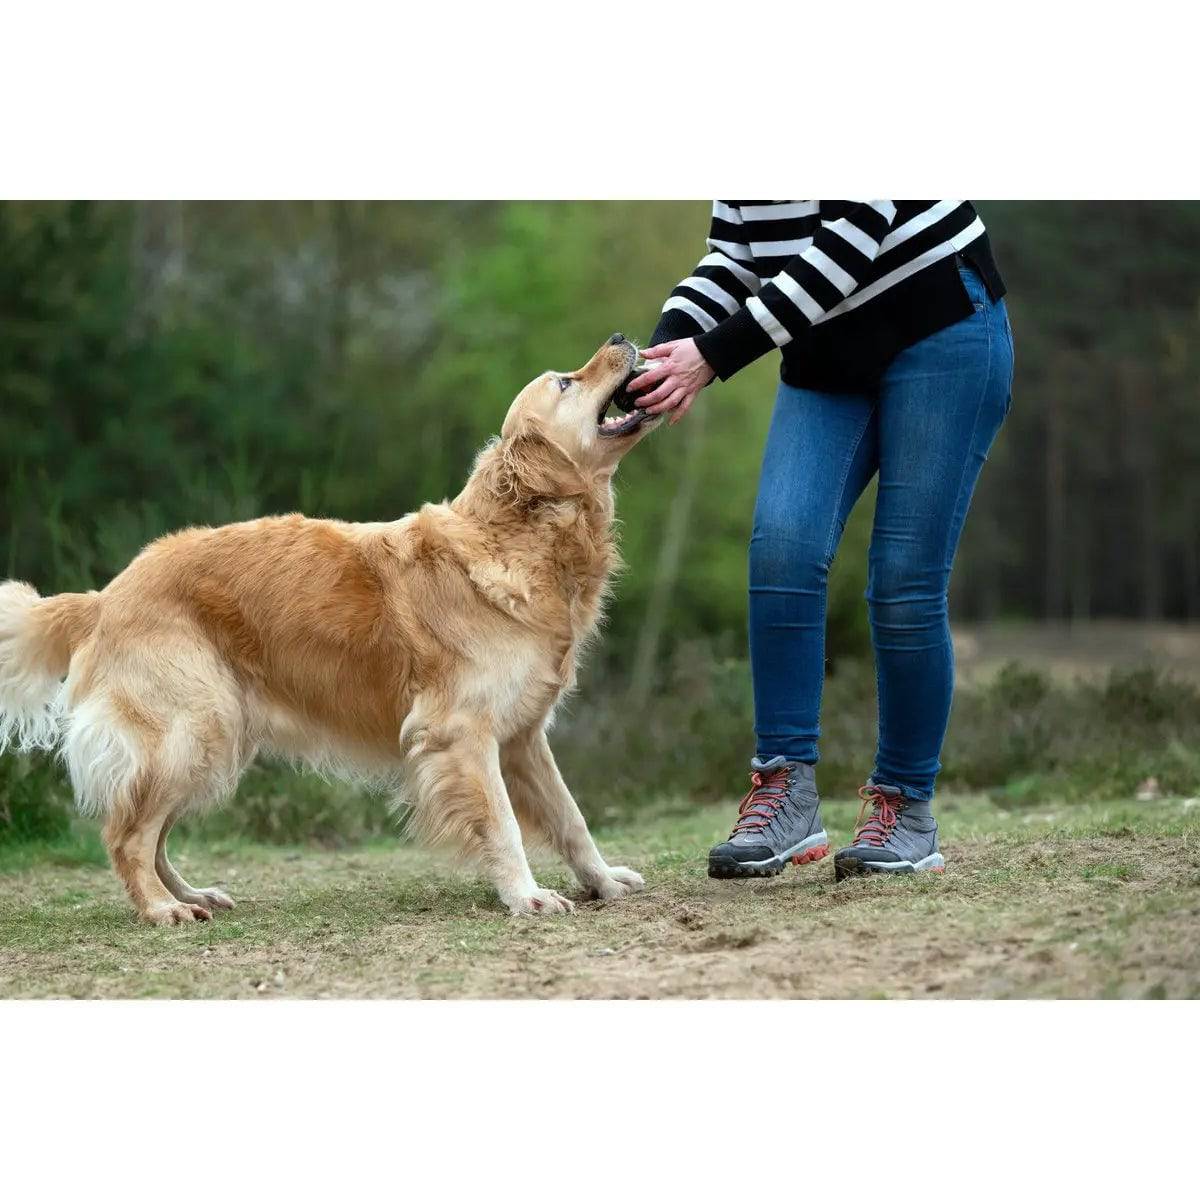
[(433, 648)]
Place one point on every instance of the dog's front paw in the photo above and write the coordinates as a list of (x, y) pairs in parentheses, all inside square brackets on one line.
[(616, 884), (211, 898), (171, 913), (541, 902)]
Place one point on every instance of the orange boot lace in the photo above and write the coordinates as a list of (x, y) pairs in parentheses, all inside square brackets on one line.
[(768, 790), (885, 810)]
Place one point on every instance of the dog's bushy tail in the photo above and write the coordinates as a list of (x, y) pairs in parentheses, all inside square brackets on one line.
[(37, 639)]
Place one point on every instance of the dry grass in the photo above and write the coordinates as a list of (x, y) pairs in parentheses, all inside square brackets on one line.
[(1085, 901)]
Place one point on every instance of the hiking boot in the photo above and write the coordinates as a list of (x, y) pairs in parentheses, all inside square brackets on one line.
[(779, 821), (899, 837)]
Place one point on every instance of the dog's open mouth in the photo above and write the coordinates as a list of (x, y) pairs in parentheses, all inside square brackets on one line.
[(620, 426)]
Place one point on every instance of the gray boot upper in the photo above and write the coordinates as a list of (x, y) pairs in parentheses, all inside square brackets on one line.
[(780, 815), (898, 830)]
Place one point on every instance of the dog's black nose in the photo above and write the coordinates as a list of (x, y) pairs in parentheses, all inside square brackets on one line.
[(616, 339)]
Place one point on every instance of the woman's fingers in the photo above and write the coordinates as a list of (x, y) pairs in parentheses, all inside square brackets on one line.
[(641, 382), (669, 403), (662, 350), (668, 385)]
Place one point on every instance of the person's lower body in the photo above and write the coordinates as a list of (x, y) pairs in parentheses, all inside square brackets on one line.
[(925, 431)]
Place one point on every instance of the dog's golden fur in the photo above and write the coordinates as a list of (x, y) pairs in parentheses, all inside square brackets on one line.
[(434, 647)]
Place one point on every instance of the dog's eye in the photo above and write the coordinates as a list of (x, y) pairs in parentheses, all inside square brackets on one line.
[(564, 383)]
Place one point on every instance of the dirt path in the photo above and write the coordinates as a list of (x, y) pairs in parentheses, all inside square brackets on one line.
[(1080, 902), (1069, 650)]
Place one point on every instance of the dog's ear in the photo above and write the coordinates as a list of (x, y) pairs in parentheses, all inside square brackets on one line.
[(537, 467)]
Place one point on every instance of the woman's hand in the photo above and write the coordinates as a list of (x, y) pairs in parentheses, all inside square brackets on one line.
[(677, 374)]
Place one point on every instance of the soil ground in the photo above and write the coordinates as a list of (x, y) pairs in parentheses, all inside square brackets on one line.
[(1079, 901)]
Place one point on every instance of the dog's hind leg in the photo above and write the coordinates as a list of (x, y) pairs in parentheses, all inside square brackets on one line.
[(113, 751), (139, 751), (208, 898), (460, 797), (544, 805), (131, 835)]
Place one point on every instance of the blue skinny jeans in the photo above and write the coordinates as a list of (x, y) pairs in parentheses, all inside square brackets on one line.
[(926, 431)]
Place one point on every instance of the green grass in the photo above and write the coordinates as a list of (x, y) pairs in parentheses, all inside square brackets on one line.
[(1076, 900)]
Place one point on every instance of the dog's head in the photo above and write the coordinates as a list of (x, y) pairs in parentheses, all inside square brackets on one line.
[(570, 411)]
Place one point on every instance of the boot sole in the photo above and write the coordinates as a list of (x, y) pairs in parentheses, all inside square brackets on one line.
[(848, 868), (810, 850)]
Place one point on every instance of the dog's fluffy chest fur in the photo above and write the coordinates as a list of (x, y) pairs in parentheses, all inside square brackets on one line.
[(544, 576)]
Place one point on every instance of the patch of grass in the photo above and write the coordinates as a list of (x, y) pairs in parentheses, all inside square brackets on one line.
[(79, 846), (1028, 739), (1108, 871), (1034, 903)]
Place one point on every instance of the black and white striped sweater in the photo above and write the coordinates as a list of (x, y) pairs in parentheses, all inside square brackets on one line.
[(839, 286)]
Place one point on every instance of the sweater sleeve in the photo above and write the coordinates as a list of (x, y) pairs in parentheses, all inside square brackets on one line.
[(803, 294), (722, 282)]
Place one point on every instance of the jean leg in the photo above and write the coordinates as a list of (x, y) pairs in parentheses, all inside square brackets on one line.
[(819, 456), (942, 403)]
